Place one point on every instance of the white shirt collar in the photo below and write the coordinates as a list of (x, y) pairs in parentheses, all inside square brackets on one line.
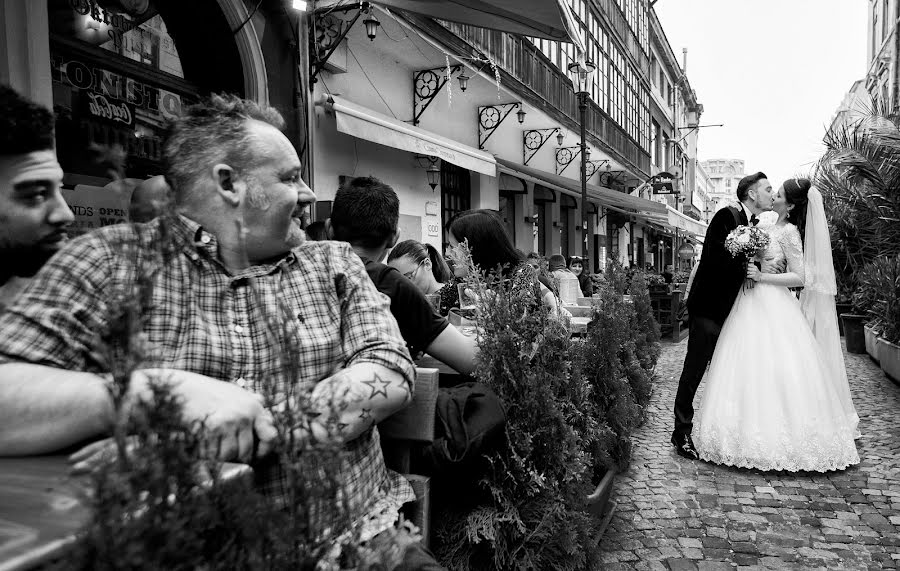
[(746, 211)]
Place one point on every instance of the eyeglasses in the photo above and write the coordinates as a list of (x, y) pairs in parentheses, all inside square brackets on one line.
[(409, 275)]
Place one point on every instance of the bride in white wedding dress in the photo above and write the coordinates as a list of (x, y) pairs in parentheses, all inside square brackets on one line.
[(774, 399)]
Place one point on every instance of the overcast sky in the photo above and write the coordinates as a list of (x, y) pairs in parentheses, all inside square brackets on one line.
[(773, 71)]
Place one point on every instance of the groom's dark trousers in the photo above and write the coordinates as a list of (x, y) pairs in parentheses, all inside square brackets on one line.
[(715, 287), (703, 335)]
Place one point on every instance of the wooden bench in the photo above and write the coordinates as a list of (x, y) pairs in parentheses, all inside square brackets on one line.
[(405, 431)]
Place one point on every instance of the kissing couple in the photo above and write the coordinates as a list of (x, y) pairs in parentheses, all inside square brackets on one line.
[(776, 396)]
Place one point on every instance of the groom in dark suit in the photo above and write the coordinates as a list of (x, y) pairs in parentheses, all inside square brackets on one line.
[(715, 287)]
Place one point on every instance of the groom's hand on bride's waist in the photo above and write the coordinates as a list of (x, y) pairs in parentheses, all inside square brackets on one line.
[(771, 266)]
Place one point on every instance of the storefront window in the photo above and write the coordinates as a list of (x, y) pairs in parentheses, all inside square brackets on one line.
[(117, 79)]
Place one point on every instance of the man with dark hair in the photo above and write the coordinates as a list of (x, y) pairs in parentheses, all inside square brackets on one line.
[(714, 288), (33, 213), (232, 257), (365, 213)]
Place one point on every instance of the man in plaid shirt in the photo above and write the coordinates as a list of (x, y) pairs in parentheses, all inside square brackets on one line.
[(234, 263)]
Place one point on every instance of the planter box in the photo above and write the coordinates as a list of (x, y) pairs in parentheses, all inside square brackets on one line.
[(854, 335), (841, 309), (871, 342), (599, 504), (890, 359)]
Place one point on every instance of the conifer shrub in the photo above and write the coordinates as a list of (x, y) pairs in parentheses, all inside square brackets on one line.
[(530, 512)]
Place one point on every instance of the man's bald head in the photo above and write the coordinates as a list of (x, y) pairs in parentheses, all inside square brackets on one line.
[(149, 199)]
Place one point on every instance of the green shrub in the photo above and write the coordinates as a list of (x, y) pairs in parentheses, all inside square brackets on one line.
[(878, 290), (531, 515)]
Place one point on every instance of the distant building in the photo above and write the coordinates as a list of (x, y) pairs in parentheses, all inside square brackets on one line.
[(855, 104), (724, 175), (883, 74)]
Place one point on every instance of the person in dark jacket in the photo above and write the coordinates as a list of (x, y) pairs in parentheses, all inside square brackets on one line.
[(717, 284)]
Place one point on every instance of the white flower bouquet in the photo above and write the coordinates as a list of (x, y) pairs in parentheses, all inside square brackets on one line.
[(746, 241)]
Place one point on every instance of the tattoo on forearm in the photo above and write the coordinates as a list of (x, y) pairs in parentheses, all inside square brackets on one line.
[(365, 415), (378, 386)]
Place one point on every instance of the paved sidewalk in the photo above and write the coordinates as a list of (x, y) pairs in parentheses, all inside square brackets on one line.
[(681, 515)]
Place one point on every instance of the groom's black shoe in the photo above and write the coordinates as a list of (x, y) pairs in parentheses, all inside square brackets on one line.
[(685, 446)]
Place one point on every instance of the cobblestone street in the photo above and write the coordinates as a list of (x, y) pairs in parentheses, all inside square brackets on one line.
[(681, 515)]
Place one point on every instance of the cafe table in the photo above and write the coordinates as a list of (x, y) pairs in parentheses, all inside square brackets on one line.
[(42, 508)]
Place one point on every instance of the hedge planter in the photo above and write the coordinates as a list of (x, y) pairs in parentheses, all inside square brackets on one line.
[(599, 504), (890, 359), (871, 337), (853, 332), (842, 308)]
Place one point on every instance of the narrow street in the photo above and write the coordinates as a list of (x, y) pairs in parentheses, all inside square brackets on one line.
[(681, 515)]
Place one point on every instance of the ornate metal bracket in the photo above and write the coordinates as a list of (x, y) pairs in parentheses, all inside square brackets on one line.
[(593, 166), (565, 156), (612, 177), (426, 85), (326, 32), (534, 139), (489, 119)]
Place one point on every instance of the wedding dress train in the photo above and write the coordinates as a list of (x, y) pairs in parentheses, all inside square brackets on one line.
[(770, 401)]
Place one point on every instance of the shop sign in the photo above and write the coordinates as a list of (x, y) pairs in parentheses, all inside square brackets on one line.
[(97, 206), (119, 112), (112, 85), (664, 183), (686, 251)]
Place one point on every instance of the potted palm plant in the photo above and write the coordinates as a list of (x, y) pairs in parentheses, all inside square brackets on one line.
[(859, 175)]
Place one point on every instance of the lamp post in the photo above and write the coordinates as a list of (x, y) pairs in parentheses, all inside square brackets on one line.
[(582, 75)]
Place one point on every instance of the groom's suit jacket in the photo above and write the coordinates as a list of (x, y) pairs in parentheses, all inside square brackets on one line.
[(720, 275)]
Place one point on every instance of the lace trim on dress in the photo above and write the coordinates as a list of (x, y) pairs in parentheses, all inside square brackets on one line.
[(810, 449)]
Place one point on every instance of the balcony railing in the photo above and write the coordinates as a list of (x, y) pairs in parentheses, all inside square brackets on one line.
[(522, 60)]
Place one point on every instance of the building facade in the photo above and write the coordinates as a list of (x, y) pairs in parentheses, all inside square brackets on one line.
[(724, 176), (452, 116), (853, 107), (883, 74)]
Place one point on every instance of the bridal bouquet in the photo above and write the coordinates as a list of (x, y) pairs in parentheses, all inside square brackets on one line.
[(746, 240)]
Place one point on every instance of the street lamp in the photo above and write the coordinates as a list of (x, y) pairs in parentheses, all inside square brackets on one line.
[(582, 73)]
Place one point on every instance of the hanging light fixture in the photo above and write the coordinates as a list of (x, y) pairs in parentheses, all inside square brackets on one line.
[(521, 115), (463, 81), (433, 173), (587, 153), (371, 23), (559, 138)]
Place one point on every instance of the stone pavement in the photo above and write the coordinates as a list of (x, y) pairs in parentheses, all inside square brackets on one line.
[(677, 514)]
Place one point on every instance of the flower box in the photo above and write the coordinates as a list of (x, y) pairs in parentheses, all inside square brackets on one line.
[(853, 332), (890, 359), (871, 337)]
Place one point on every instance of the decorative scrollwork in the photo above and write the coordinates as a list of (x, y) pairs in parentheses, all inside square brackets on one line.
[(326, 33), (534, 139), (490, 118), (565, 156), (426, 85), (593, 166)]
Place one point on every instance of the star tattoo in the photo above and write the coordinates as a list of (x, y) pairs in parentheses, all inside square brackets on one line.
[(382, 390), (365, 415)]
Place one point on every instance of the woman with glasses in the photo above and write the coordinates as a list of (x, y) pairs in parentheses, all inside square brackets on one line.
[(424, 266)]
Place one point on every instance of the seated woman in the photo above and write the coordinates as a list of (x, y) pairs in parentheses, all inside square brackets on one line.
[(492, 248), (424, 266), (576, 266)]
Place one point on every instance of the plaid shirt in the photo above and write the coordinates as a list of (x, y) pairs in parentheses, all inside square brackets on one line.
[(205, 320)]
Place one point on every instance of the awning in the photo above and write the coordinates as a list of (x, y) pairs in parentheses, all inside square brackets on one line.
[(606, 196), (686, 223), (362, 123), (550, 19)]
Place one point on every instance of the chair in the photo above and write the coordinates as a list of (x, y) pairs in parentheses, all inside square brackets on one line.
[(406, 430), (665, 310)]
